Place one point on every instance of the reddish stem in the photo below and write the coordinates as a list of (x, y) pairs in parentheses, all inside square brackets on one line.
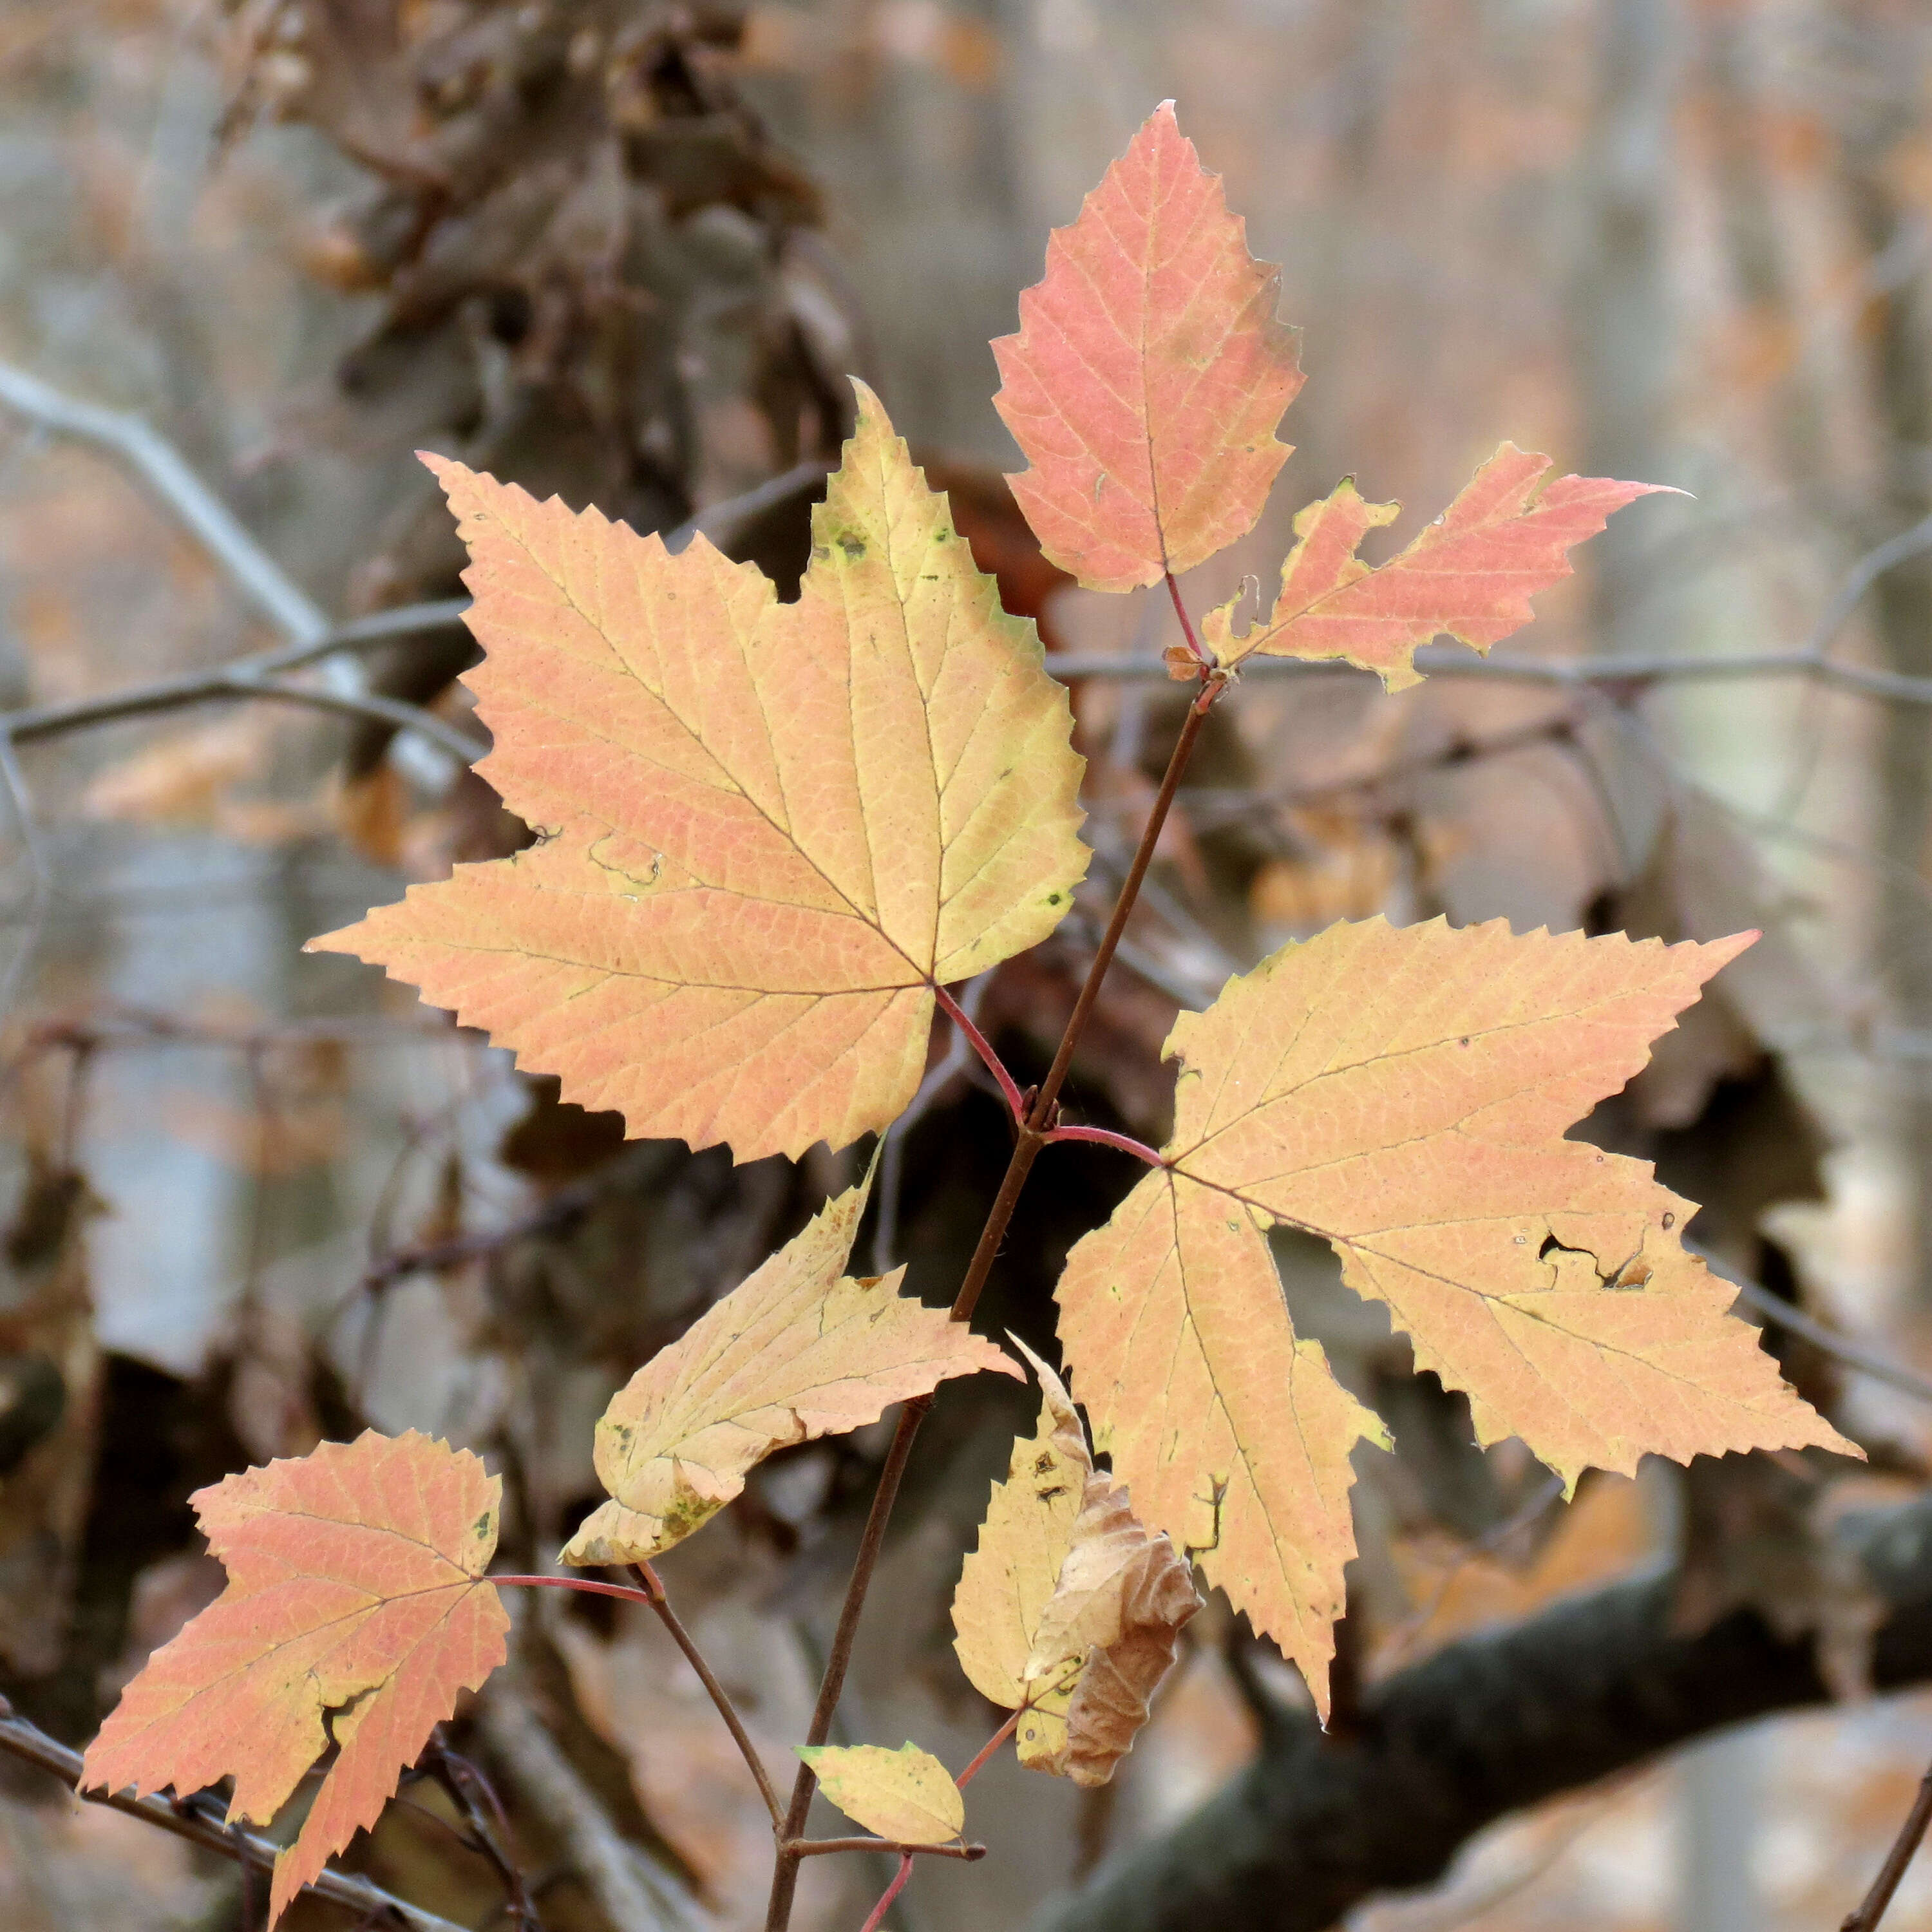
[(891, 1892), (721, 1699), (1032, 1137), (987, 1749), (983, 1047), (653, 1596), (965, 1778), (1201, 657), (1106, 1137), (581, 1583)]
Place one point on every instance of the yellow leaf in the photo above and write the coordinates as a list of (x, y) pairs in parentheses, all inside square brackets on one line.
[(1404, 1093), (1068, 1608), (1005, 1583), (771, 828), (905, 1795), (795, 1352)]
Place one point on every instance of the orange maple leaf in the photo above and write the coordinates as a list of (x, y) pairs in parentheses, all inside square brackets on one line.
[(1149, 373), (355, 1610), (772, 829), (1403, 1093), (1470, 575)]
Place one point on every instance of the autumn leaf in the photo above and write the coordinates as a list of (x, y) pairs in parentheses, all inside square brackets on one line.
[(1470, 575), (1068, 1609), (905, 1795), (1149, 373), (1005, 1582), (1117, 1612), (1404, 1093), (770, 829), (355, 1610), (795, 1351)]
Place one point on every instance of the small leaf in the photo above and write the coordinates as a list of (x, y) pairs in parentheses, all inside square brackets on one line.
[(355, 1610), (1470, 575), (905, 1795), (772, 829), (1149, 373), (1006, 1581), (1405, 1093), (795, 1352)]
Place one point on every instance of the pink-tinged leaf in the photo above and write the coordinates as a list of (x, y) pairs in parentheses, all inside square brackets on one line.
[(356, 1609), (772, 829), (1469, 576), (1149, 373)]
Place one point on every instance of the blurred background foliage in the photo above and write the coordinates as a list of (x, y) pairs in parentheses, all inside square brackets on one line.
[(626, 252)]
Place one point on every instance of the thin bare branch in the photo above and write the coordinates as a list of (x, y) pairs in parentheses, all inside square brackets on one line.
[(40, 882), (720, 1697), (632, 1896), (1775, 1311), (254, 573), (157, 463), (553, 1217), (1612, 673), (239, 681), (812, 1848), (487, 1830), (372, 633), (720, 523), (1872, 1907), (200, 1819)]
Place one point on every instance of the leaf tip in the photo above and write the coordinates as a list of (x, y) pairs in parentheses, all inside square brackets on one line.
[(870, 407)]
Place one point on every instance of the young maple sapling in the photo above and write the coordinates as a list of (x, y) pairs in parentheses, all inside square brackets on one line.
[(772, 835)]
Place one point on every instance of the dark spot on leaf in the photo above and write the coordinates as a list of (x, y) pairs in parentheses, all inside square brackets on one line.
[(853, 547)]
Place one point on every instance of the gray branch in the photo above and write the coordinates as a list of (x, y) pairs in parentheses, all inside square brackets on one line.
[(312, 638), (245, 679), (160, 466), (1568, 674), (197, 1819), (1486, 1727)]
